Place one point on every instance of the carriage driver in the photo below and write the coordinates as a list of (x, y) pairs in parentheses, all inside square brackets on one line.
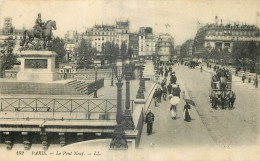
[(38, 24)]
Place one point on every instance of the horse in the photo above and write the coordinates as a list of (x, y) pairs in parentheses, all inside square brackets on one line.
[(46, 34)]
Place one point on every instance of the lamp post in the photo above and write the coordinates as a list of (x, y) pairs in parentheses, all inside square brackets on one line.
[(95, 92), (140, 92), (256, 79), (118, 138), (112, 79), (128, 123)]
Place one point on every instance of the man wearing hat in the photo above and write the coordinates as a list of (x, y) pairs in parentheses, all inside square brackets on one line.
[(149, 119)]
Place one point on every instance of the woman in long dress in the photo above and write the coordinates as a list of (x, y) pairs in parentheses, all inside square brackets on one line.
[(186, 112), (173, 111)]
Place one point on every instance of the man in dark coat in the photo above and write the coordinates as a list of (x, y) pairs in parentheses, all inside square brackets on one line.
[(178, 91), (149, 119), (169, 87), (173, 79), (164, 93)]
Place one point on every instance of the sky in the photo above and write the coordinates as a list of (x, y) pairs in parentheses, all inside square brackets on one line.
[(181, 15)]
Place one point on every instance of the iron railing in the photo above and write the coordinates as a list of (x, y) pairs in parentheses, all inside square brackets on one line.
[(60, 105)]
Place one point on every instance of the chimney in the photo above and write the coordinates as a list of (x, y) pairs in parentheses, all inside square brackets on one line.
[(216, 20)]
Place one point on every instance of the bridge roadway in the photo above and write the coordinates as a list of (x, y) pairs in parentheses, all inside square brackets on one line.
[(223, 128), (63, 123)]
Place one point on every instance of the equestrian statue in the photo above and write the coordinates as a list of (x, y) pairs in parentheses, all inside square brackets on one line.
[(41, 30)]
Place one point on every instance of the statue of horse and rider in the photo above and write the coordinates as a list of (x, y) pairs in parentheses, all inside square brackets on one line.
[(41, 30)]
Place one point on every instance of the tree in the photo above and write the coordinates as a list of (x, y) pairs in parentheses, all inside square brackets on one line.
[(123, 50), (86, 54), (58, 48), (7, 58)]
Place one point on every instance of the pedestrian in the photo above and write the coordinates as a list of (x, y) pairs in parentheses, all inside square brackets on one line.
[(201, 68), (174, 101), (155, 97), (149, 119), (163, 83), (169, 87), (175, 90), (173, 79), (159, 95), (178, 91), (173, 110), (243, 78), (186, 112), (164, 93)]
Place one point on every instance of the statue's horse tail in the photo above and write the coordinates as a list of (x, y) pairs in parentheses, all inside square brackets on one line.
[(24, 38)]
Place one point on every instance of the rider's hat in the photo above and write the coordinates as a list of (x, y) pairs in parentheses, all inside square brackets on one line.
[(39, 14)]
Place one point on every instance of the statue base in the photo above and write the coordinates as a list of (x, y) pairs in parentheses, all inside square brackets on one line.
[(37, 66)]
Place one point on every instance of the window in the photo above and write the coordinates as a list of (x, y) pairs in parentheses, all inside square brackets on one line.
[(103, 38), (98, 38)]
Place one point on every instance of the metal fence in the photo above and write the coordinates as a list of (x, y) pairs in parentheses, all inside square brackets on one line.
[(59, 105)]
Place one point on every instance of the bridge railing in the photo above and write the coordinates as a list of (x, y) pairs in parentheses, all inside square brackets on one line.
[(61, 106)]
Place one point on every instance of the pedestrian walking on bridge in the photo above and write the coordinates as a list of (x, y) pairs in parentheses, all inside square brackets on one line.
[(149, 119), (186, 112)]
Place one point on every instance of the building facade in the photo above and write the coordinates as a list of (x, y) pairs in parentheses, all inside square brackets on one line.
[(150, 45), (146, 42), (134, 44), (220, 36), (100, 34), (165, 46), (71, 43), (122, 33)]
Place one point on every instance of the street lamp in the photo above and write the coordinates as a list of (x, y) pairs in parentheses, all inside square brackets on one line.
[(118, 138), (95, 91), (256, 79), (112, 79), (128, 123)]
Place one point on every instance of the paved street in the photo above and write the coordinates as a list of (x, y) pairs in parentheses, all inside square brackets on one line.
[(239, 126)]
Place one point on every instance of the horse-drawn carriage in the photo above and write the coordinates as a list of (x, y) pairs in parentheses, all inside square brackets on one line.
[(221, 93)]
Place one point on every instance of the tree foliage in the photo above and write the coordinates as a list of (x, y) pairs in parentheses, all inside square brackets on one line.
[(86, 54), (58, 48), (7, 58), (245, 54)]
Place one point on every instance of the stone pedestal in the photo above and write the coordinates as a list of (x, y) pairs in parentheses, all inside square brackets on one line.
[(26, 141), (128, 123), (8, 140), (37, 66), (44, 140), (62, 139), (131, 136), (80, 137)]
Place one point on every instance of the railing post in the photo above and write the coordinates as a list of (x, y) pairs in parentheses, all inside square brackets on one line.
[(1, 104), (106, 111), (36, 103), (53, 107), (71, 105), (88, 111), (19, 104), (132, 106)]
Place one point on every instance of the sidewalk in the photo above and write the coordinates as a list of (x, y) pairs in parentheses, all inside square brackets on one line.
[(168, 132)]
